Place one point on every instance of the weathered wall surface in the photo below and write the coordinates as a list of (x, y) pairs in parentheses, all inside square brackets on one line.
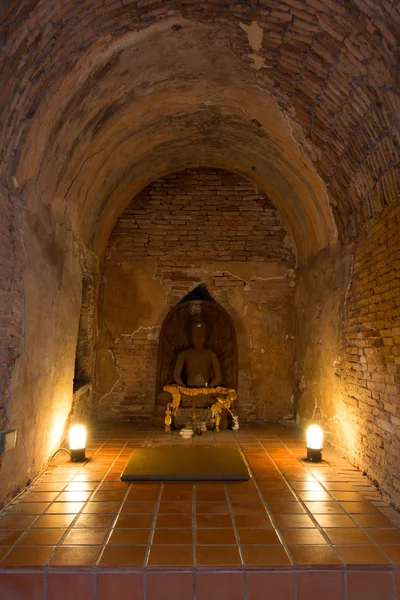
[(319, 306), (348, 350), (199, 226), (40, 390), (370, 369), (11, 324)]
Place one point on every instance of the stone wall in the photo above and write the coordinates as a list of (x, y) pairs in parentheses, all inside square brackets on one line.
[(198, 226)]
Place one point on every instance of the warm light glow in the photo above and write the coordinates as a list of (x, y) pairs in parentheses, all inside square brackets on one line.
[(56, 432), (77, 437), (315, 437)]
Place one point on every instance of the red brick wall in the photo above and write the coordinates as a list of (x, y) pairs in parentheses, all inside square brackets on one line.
[(200, 215), (198, 226), (371, 361)]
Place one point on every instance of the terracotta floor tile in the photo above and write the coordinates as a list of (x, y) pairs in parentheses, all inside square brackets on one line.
[(138, 508), (218, 556), (210, 495), (173, 536), (348, 496), (83, 537), (54, 521), (129, 537), (212, 508), (362, 555), (142, 495), (361, 508), (3, 551), (315, 496), (16, 522), (258, 536), (123, 556), (120, 586), (64, 586), (320, 586), (274, 486), (114, 486), (219, 586), (265, 556), (369, 585), (9, 536), (73, 496), (175, 508), (48, 487), (253, 521), (108, 495), (215, 536), (40, 537), (248, 508), (17, 586), (293, 521), (334, 521), (314, 555), (176, 495), (339, 486), (393, 552), (349, 535), (165, 586), (94, 521), (302, 537), (376, 521), (307, 486), (170, 556), (287, 508), (81, 486), (44, 497), (277, 586), (27, 556), (211, 521), (278, 496), (68, 556), (173, 486), (244, 496), (174, 521), (101, 507), (327, 508), (64, 508), (385, 536), (134, 522)]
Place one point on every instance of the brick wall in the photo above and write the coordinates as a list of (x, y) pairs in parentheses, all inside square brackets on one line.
[(198, 226), (200, 215), (371, 359)]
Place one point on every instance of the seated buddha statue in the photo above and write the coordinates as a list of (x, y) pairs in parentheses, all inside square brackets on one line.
[(200, 364), (196, 367)]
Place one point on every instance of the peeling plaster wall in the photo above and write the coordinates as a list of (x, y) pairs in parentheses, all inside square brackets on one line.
[(41, 385), (161, 248)]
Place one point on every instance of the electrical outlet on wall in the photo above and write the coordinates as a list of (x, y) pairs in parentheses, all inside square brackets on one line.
[(8, 439)]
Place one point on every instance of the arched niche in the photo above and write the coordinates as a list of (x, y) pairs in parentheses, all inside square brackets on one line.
[(175, 337)]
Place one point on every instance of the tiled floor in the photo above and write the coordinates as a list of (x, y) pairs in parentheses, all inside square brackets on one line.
[(295, 531)]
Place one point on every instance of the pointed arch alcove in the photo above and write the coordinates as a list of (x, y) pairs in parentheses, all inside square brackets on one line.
[(175, 337)]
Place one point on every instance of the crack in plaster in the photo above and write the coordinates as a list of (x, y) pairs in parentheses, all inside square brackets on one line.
[(142, 328)]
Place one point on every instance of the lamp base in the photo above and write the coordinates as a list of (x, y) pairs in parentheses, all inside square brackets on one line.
[(78, 455), (314, 454)]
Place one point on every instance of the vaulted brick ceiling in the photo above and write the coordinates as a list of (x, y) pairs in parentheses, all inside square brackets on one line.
[(100, 97)]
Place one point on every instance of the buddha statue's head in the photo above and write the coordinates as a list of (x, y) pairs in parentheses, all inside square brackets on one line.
[(198, 331)]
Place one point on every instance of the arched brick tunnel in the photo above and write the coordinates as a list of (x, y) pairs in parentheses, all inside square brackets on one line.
[(100, 99)]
